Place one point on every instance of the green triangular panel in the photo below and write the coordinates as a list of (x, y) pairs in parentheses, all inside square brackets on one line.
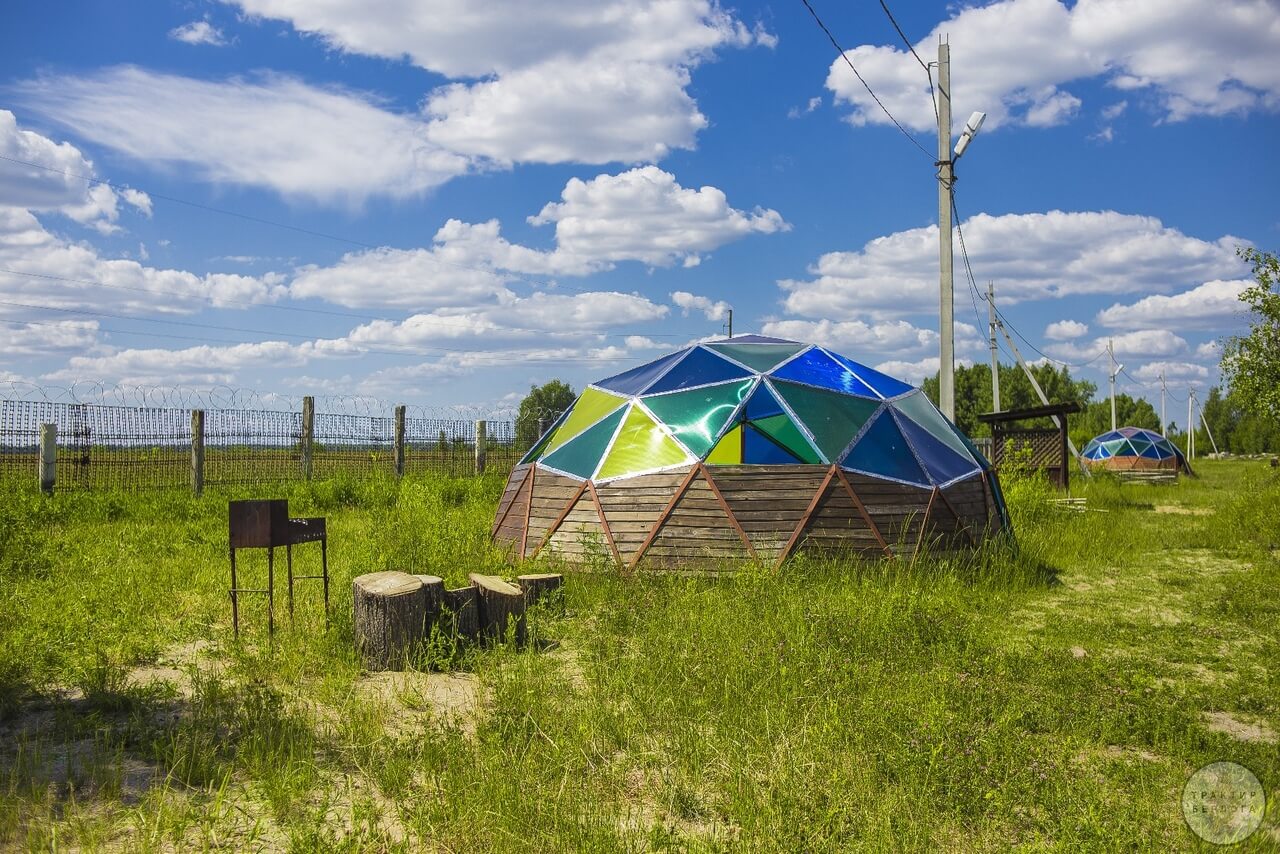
[(918, 408), (780, 429), (1140, 445), (696, 417), (728, 451), (759, 357), (580, 454), (641, 446), (1117, 446), (833, 418), (590, 407)]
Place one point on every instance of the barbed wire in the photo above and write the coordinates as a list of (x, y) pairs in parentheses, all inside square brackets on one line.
[(225, 397)]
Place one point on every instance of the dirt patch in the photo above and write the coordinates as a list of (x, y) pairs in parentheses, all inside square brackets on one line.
[(1179, 510), (452, 698), (175, 667), (1235, 726)]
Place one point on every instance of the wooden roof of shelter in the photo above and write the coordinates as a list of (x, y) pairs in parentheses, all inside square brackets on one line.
[(1030, 412)]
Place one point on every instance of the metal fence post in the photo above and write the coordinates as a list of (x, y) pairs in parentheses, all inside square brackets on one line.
[(197, 451), (481, 436), (399, 446), (48, 457), (308, 433)]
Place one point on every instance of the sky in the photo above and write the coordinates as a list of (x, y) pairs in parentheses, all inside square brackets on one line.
[(442, 203)]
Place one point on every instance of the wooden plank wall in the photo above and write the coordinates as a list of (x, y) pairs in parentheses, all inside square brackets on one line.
[(508, 524), (632, 506), (764, 504), (696, 529)]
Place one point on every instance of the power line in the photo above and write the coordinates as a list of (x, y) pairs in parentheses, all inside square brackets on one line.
[(864, 83), (933, 99)]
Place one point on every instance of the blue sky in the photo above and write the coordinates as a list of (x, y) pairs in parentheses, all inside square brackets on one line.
[(483, 196)]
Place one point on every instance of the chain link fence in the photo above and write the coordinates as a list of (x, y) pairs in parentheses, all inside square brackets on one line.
[(112, 446)]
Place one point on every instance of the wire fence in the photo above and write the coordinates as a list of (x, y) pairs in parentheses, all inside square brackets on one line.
[(108, 445)]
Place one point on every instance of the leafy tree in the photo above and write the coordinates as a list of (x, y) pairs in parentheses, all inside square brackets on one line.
[(540, 407), (973, 392), (1235, 427), (1251, 364), (1096, 418)]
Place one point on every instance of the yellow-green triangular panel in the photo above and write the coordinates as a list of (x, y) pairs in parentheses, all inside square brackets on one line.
[(590, 407), (641, 445), (728, 451)]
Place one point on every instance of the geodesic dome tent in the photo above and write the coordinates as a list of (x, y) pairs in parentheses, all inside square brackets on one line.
[(1134, 448), (748, 448)]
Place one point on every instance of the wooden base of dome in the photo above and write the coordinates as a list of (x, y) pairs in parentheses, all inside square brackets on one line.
[(725, 514), (1136, 463)]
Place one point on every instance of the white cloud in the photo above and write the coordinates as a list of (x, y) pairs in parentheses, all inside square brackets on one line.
[(868, 342), (56, 182), (796, 112), (1114, 111), (1173, 372), (1142, 344), (582, 80), (1029, 256), (915, 372), (1065, 330), (271, 131), (644, 215), (717, 310), (1209, 306), (44, 337), (1209, 350), (1012, 58), (519, 320), (198, 32), (71, 275), (640, 215), (202, 364)]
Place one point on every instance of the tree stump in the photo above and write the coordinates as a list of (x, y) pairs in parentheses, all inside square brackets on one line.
[(390, 615), (463, 606), (499, 603), (543, 588), (432, 601)]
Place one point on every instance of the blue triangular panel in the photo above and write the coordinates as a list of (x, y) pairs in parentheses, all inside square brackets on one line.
[(882, 450), (814, 367), (635, 380), (942, 463), (1152, 452), (700, 367), (762, 404), (884, 384), (758, 449)]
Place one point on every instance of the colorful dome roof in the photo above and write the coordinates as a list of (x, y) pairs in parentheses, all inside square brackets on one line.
[(1131, 442), (757, 401)]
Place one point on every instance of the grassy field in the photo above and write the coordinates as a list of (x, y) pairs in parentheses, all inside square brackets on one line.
[(1055, 696)]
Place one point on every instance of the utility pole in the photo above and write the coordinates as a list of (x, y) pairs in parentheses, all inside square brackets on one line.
[(1191, 433), (730, 323), (1163, 390), (1057, 419), (995, 359), (1111, 352), (946, 178)]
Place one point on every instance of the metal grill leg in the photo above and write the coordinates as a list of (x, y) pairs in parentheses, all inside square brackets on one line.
[(235, 605), (324, 571), (271, 591)]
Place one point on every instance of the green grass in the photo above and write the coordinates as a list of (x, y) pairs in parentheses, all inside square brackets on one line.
[(895, 705)]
